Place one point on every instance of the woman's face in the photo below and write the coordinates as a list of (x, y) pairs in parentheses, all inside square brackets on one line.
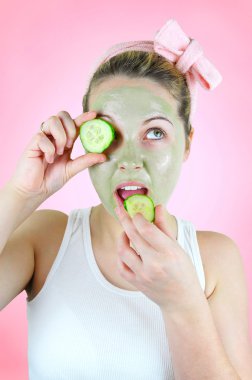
[(140, 152)]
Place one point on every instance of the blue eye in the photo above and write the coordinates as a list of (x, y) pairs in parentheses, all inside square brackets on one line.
[(157, 129)]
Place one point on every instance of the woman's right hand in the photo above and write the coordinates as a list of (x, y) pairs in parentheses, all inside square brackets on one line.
[(43, 169)]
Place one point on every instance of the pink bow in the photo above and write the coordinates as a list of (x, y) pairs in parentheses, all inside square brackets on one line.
[(187, 54), (173, 44)]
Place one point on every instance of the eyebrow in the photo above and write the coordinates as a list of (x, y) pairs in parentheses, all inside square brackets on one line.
[(145, 122), (157, 117)]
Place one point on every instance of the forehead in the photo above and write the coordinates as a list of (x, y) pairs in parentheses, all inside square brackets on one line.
[(135, 93)]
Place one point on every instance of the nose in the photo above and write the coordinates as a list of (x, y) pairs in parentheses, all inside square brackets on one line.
[(130, 159), (129, 165)]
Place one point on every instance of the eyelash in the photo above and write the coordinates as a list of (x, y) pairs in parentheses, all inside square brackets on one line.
[(153, 129), (156, 129)]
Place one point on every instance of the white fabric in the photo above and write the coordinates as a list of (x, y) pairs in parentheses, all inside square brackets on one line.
[(81, 327)]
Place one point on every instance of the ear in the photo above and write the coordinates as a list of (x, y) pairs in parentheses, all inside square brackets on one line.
[(188, 144)]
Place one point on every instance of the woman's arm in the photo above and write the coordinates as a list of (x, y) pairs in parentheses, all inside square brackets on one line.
[(196, 349), (14, 210), (213, 342)]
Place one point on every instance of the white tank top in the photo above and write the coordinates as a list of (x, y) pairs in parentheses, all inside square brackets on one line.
[(81, 327)]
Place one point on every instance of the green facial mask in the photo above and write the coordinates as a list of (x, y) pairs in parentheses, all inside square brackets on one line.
[(152, 157)]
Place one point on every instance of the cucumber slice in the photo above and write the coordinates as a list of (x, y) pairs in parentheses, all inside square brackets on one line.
[(96, 135), (140, 203)]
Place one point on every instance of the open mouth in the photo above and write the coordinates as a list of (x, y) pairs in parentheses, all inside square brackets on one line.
[(122, 194)]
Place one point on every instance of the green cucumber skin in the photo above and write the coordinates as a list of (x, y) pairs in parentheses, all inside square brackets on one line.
[(104, 147), (140, 195)]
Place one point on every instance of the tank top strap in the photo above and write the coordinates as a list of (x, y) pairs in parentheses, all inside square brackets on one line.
[(71, 223), (187, 238)]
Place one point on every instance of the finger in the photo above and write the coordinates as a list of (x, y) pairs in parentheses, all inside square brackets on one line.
[(69, 127), (54, 127), (44, 145), (79, 120), (83, 162), (128, 255), (125, 271), (157, 239), (142, 247)]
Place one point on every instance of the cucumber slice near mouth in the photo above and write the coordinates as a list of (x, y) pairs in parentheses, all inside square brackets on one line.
[(140, 203), (96, 135)]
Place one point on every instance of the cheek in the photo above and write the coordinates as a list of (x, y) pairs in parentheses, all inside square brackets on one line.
[(101, 175), (97, 174), (160, 161), (165, 168), (163, 164), (164, 180)]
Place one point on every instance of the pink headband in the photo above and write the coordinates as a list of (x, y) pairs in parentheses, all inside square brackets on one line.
[(187, 54)]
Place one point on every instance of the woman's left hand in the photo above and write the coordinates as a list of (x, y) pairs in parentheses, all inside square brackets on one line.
[(159, 267)]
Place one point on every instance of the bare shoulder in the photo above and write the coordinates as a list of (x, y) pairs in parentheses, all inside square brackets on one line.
[(51, 223), (49, 227), (216, 249), (216, 244)]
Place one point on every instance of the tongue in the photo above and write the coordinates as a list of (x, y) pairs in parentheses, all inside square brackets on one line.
[(126, 193)]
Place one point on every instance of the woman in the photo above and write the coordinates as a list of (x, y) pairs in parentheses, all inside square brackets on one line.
[(97, 307)]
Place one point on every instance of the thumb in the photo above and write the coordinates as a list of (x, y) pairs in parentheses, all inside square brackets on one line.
[(83, 162), (161, 220)]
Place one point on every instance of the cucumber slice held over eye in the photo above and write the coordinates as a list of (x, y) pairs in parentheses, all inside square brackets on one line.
[(140, 203), (96, 135)]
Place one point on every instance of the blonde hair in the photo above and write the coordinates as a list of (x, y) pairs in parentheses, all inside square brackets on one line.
[(141, 64)]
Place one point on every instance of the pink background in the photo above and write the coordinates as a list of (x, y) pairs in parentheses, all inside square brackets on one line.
[(48, 49)]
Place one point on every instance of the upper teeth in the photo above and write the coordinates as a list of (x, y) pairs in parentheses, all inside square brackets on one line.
[(131, 187)]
